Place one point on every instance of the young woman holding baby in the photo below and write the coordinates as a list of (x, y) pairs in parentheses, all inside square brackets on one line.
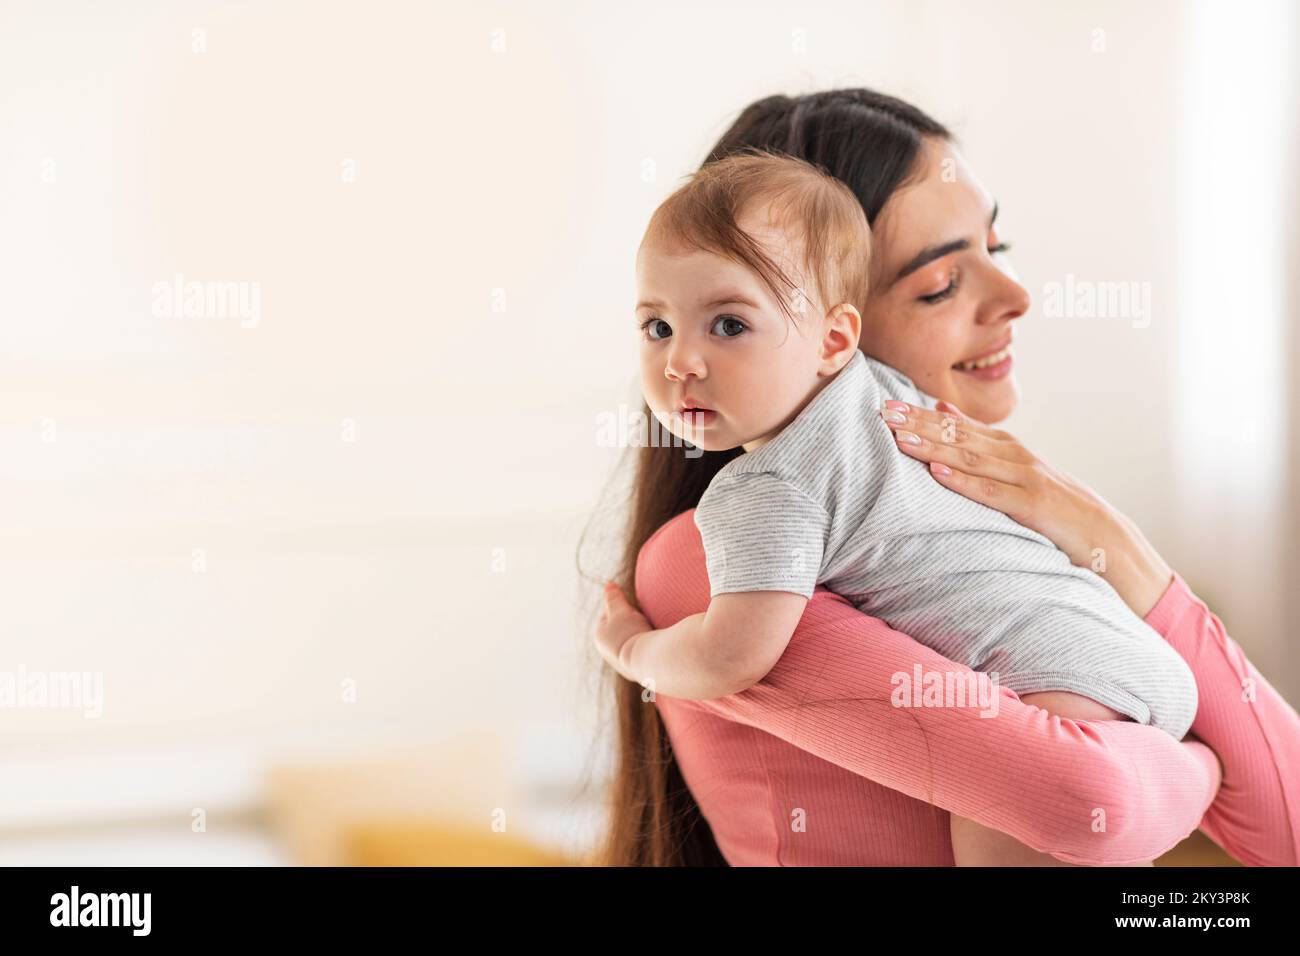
[(813, 765)]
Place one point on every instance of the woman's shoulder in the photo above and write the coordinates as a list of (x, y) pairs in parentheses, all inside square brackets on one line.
[(671, 547), (672, 579), (670, 530)]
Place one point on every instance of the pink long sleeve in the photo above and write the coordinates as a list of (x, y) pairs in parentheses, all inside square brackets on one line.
[(1093, 793), (1256, 815)]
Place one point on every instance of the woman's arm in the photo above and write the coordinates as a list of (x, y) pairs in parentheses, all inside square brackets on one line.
[(1250, 727), (1091, 793)]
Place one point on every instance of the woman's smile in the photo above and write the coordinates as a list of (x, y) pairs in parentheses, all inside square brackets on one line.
[(991, 365), (996, 367)]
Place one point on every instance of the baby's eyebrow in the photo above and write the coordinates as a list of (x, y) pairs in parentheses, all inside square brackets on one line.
[(724, 298), (731, 298)]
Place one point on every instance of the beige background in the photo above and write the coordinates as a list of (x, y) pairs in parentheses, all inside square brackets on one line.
[(439, 204)]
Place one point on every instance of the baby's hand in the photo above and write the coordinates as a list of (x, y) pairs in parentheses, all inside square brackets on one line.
[(618, 624)]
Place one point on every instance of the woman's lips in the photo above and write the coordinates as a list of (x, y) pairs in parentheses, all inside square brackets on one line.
[(999, 369)]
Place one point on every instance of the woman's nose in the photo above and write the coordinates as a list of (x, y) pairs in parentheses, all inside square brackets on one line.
[(1008, 299)]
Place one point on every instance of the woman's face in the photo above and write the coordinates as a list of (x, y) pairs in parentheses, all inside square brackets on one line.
[(943, 292)]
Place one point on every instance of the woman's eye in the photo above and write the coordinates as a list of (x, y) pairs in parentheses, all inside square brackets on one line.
[(730, 326), (650, 326), (1000, 247), (942, 294)]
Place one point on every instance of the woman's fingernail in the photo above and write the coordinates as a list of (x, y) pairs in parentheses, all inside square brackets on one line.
[(898, 418), (901, 406), (908, 437), (939, 469)]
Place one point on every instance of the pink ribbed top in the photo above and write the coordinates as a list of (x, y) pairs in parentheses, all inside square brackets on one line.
[(814, 766)]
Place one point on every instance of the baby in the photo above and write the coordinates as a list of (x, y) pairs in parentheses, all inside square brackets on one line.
[(822, 496)]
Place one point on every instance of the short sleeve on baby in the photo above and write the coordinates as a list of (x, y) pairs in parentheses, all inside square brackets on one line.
[(761, 533)]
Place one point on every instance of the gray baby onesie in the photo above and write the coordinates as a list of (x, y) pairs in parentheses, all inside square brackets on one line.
[(831, 501)]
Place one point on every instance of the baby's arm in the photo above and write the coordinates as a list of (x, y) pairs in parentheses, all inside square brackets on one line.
[(727, 649), (764, 540)]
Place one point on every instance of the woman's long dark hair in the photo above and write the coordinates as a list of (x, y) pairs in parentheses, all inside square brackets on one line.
[(870, 142)]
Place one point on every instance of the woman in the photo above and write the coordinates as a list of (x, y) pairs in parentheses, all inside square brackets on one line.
[(814, 765)]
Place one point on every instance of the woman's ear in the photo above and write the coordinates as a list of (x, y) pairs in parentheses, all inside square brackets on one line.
[(843, 329)]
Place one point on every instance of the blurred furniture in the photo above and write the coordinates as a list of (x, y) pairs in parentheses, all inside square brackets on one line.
[(453, 805)]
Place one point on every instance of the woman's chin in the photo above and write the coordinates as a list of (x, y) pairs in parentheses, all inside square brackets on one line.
[(987, 402)]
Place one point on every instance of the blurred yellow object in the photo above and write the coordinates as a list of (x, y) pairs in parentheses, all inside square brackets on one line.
[(417, 843), (1196, 850), (436, 806), (314, 805)]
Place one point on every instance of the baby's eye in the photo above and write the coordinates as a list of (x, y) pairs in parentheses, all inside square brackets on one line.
[(730, 325), (651, 326)]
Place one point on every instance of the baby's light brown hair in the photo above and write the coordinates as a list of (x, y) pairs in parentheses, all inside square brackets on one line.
[(823, 221)]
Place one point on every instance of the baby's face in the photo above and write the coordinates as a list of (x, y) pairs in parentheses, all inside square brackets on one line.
[(713, 337)]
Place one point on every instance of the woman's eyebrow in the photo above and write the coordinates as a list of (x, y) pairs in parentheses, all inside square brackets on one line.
[(929, 255), (938, 252)]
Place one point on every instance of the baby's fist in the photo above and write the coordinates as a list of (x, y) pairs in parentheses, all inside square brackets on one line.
[(619, 623)]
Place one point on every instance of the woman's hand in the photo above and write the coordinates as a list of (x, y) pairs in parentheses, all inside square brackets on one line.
[(619, 623), (992, 467)]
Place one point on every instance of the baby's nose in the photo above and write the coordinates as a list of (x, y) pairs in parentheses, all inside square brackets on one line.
[(683, 364)]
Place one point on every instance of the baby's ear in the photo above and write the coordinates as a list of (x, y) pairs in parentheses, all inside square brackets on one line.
[(842, 333)]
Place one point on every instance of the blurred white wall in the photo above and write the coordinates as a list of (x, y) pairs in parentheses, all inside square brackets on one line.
[(379, 475)]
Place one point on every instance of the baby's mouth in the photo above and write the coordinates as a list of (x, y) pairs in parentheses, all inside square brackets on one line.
[(697, 417)]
